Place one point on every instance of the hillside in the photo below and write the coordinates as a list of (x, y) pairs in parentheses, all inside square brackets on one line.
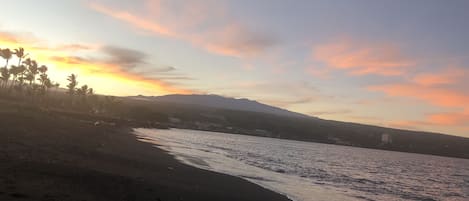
[(179, 112), (221, 102)]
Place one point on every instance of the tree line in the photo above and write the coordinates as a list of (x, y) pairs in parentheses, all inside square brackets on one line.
[(29, 80)]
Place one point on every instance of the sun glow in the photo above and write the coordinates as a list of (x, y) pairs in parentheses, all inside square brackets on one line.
[(104, 77)]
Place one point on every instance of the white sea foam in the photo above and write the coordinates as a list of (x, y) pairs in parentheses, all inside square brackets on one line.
[(315, 172)]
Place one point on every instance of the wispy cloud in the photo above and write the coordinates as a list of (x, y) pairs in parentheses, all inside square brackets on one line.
[(293, 93), (319, 72), (203, 24), (330, 112), (98, 67), (111, 62), (13, 39), (127, 63), (450, 119), (441, 89), (361, 58), (288, 102), (17, 37), (446, 76), (123, 56), (436, 96)]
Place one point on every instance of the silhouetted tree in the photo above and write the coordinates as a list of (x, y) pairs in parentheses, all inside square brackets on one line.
[(72, 84), (28, 69), (5, 76), (7, 55), (20, 54), (21, 74), (32, 68)]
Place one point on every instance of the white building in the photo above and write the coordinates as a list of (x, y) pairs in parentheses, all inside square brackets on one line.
[(386, 138)]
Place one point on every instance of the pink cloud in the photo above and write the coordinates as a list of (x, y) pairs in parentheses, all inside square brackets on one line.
[(449, 119), (441, 89), (447, 76), (436, 96), (204, 25), (323, 73), (17, 37), (133, 19), (363, 58)]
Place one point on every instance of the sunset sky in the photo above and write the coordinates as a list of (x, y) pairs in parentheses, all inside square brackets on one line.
[(401, 64)]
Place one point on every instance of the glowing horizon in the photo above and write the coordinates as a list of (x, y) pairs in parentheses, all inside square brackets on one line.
[(393, 65)]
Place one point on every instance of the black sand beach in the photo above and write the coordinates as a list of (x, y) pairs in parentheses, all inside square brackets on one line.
[(50, 157)]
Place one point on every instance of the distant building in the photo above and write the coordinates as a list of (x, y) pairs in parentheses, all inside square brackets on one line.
[(174, 120), (386, 138)]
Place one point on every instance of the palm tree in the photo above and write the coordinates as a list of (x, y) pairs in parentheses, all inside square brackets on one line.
[(73, 83), (28, 69), (32, 70), (46, 83), (14, 70), (42, 69), (6, 54), (21, 76), (82, 91), (29, 77), (90, 92), (43, 79), (5, 76), (20, 54)]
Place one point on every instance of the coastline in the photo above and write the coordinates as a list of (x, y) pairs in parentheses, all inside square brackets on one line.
[(47, 157), (201, 164)]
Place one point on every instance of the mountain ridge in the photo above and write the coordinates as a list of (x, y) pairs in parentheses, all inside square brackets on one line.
[(222, 102), (180, 111)]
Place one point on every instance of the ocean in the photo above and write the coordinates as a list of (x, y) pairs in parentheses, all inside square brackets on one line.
[(306, 171)]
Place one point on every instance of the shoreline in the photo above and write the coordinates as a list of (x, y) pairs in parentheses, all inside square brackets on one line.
[(200, 164), (46, 157)]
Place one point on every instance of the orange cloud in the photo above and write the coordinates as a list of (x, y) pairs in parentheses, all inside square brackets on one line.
[(446, 77), (195, 23), (17, 37), (363, 58), (438, 89), (62, 60), (134, 20), (449, 119), (37, 47), (8, 37), (436, 96), (100, 68)]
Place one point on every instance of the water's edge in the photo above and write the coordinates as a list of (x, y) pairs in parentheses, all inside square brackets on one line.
[(184, 160), (305, 171)]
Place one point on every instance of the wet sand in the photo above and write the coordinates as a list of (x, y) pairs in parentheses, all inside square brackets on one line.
[(46, 157)]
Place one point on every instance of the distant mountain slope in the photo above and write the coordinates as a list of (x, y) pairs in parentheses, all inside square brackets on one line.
[(242, 116), (221, 102)]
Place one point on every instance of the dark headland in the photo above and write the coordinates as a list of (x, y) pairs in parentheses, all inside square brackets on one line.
[(47, 156)]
